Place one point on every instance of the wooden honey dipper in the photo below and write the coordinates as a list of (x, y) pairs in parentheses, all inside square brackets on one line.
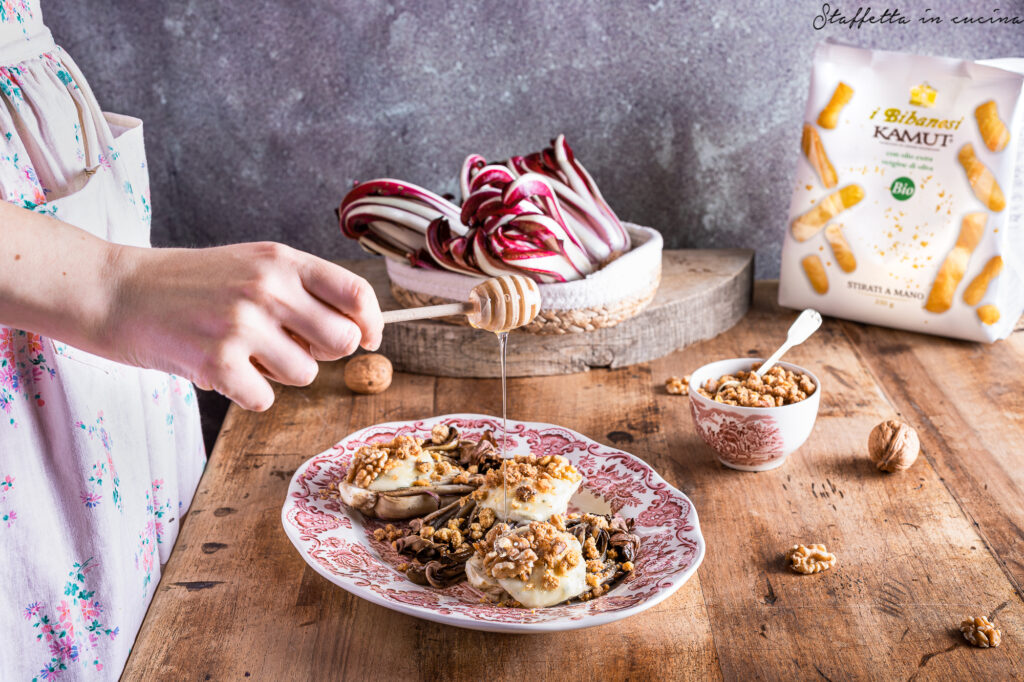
[(496, 305)]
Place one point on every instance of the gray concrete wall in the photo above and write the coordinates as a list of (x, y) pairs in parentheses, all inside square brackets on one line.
[(259, 115)]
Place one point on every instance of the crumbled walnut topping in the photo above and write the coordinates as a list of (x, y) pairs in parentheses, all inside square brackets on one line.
[(810, 559), (487, 518), (557, 521), (981, 632), (778, 387), (590, 549), (528, 475), (421, 482), (329, 492), (370, 461), (439, 433), (514, 554), (443, 467), (525, 493), (448, 535), (627, 566), (389, 533), (461, 478), (677, 385)]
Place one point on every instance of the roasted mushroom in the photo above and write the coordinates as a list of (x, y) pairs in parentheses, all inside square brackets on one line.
[(405, 478), (443, 556), (404, 503)]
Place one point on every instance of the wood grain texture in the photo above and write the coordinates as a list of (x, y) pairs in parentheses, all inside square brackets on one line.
[(703, 293), (917, 551)]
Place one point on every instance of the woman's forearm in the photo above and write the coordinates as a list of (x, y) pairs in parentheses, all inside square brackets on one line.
[(224, 317), (55, 279)]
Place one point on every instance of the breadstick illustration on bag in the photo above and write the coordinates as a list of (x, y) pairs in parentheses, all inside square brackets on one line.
[(840, 248), (816, 273), (807, 225), (982, 181), (940, 298), (988, 314), (829, 116), (993, 130), (975, 291), (814, 150)]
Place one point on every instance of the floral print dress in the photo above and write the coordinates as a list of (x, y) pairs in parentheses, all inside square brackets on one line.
[(98, 461)]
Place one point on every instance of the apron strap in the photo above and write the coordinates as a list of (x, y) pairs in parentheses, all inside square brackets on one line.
[(25, 47)]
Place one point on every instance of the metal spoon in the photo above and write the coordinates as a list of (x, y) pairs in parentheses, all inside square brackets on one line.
[(806, 324)]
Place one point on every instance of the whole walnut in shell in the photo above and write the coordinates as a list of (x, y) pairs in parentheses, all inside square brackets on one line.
[(893, 446), (369, 373)]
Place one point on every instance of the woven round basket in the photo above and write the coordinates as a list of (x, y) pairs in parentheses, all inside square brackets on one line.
[(615, 293)]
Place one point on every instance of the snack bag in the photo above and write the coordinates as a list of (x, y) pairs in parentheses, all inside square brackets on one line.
[(909, 194)]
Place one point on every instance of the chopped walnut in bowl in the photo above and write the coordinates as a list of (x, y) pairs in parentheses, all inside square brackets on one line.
[(753, 424), (778, 387)]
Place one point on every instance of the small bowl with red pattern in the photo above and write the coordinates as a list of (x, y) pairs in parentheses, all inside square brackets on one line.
[(339, 542), (751, 438)]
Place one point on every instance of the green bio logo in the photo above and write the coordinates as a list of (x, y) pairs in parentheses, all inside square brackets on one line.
[(902, 189)]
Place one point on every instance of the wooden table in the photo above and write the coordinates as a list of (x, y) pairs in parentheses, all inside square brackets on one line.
[(917, 551)]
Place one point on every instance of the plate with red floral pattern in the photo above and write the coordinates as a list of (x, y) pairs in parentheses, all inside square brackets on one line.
[(338, 542)]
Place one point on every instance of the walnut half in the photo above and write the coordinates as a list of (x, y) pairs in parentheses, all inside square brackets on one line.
[(981, 632), (810, 559), (893, 446)]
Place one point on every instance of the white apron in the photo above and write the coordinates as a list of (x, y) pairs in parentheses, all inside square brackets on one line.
[(98, 461)]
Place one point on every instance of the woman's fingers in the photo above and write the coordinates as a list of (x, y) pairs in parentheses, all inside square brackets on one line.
[(284, 360), (263, 311), (349, 294), (231, 373), (326, 333)]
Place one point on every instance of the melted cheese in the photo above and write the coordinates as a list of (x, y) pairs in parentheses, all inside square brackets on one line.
[(531, 593), (404, 473), (540, 508), (479, 578)]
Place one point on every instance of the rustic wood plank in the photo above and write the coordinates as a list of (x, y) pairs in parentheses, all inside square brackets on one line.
[(702, 293), (236, 598), (661, 643), (966, 402), (265, 612), (264, 602), (910, 565)]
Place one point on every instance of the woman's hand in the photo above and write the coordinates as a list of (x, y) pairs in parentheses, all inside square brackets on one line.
[(227, 318), (230, 317)]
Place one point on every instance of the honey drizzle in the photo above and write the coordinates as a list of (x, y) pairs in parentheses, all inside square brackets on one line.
[(502, 347)]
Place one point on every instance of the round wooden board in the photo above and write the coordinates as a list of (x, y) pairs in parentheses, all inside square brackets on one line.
[(703, 292)]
